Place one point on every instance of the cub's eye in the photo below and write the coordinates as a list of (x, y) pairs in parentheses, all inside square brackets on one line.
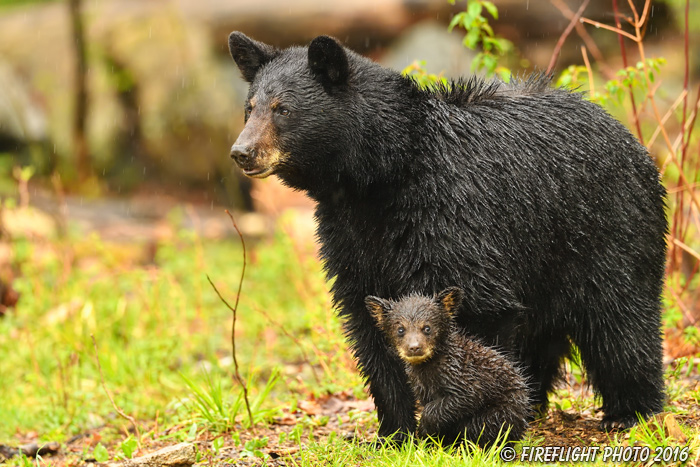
[(401, 331), (426, 329), (283, 112)]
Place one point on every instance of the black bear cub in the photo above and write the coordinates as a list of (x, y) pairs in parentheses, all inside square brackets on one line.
[(467, 390)]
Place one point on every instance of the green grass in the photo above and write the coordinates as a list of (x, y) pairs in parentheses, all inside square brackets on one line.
[(163, 339), (163, 334)]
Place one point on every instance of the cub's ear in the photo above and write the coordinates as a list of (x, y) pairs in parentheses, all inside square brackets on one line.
[(328, 60), (248, 54), (450, 299), (377, 307)]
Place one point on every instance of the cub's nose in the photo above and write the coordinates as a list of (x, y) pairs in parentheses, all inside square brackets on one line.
[(414, 349), (241, 153)]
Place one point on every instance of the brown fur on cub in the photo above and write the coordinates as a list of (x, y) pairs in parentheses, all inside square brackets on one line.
[(467, 390)]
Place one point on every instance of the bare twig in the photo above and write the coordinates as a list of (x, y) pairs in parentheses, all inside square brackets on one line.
[(586, 38), (565, 34), (234, 310), (665, 118), (623, 53), (609, 28), (111, 399), (591, 84), (304, 355)]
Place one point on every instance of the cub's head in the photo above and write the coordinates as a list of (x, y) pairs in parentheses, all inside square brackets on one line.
[(416, 325), (297, 110)]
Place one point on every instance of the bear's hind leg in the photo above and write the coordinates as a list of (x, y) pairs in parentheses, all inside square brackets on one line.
[(621, 351)]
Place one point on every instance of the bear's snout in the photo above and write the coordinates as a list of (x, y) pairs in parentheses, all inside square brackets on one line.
[(414, 349), (241, 154)]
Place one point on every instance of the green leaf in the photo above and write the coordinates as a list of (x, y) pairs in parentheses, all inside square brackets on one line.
[(504, 73), (474, 9), (490, 63), (564, 80), (456, 19), (491, 8), (192, 434), (100, 453), (471, 40), (217, 444), (128, 447), (477, 62)]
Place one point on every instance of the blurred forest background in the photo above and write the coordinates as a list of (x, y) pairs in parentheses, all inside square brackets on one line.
[(140, 98), (116, 119), (115, 112)]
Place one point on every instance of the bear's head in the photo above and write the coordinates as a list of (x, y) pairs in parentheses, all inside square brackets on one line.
[(417, 326), (298, 108)]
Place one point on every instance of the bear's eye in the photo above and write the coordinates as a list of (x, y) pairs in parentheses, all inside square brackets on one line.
[(282, 111), (426, 329), (401, 331)]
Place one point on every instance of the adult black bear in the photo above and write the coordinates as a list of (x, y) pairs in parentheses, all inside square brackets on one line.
[(544, 209), (467, 390)]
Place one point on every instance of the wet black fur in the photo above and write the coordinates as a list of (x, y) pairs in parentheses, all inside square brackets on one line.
[(467, 390), (543, 208)]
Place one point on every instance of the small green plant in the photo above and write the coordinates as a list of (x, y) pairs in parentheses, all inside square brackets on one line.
[(480, 35), (649, 433), (100, 453), (211, 403), (192, 434), (420, 74), (219, 410), (637, 78), (128, 447), (252, 448), (217, 444)]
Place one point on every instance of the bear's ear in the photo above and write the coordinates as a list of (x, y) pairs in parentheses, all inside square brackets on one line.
[(450, 299), (328, 60), (377, 307), (248, 54)]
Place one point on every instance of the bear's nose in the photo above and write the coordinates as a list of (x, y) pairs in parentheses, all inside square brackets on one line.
[(241, 153), (414, 348)]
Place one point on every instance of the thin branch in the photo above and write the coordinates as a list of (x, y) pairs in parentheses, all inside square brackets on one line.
[(609, 28), (565, 34), (665, 118), (296, 341), (591, 85), (234, 310), (686, 76), (623, 53), (111, 399), (586, 38), (634, 13), (690, 125)]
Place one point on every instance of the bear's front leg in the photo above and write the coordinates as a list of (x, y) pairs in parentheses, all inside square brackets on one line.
[(440, 420), (386, 376)]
